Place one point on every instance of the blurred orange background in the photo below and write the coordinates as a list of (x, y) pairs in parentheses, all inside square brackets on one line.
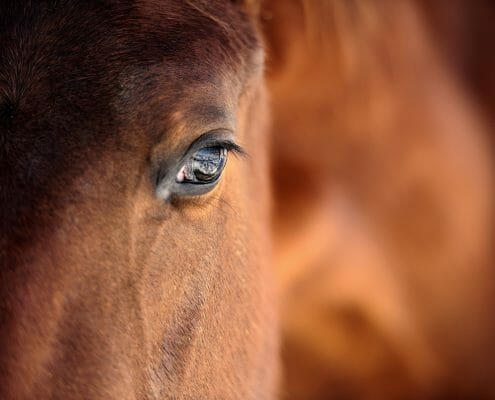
[(383, 161)]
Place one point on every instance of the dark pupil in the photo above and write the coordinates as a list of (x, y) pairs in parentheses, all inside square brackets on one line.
[(207, 163)]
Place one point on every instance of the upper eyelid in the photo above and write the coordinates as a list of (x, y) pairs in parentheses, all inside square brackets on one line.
[(232, 147), (218, 137)]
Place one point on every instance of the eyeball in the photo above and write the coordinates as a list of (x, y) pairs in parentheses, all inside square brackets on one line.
[(204, 166)]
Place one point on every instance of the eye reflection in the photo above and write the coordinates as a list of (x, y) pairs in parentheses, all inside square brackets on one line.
[(199, 170), (204, 166)]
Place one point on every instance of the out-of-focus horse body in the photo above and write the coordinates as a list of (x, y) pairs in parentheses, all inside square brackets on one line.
[(384, 186)]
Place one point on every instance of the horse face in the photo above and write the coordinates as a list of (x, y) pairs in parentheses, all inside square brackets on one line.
[(132, 253)]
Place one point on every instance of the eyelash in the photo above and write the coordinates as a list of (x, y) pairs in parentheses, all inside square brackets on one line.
[(228, 145)]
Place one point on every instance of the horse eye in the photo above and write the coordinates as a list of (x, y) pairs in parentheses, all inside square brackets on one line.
[(199, 170), (204, 167)]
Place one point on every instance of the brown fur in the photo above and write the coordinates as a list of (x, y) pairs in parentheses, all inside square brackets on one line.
[(105, 290), (383, 200)]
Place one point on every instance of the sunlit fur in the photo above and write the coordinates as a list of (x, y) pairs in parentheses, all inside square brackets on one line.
[(383, 181)]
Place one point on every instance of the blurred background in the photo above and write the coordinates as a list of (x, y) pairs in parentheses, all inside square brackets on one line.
[(383, 120)]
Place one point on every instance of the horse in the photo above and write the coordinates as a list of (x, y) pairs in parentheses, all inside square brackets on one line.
[(133, 258), (243, 199)]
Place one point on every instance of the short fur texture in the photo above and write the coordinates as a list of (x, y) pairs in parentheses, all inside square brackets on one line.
[(106, 291)]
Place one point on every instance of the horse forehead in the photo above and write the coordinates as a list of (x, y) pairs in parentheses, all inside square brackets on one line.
[(81, 44), (63, 64)]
